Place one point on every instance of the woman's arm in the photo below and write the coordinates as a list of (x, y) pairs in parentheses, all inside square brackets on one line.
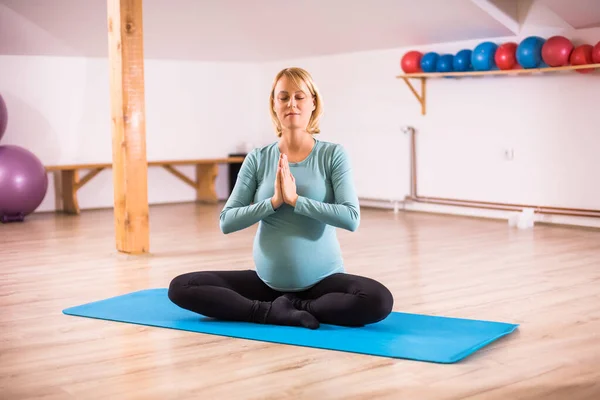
[(238, 212), (345, 213)]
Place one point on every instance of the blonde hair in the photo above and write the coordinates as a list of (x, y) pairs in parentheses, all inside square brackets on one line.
[(298, 75)]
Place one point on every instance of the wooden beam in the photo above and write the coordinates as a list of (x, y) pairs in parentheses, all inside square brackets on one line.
[(420, 98), (181, 176), (225, 160), (128, 125), (88, 177), (69, 202), (205, 182), (521, 71)]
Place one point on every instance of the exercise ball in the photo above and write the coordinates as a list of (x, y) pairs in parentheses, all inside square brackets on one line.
[(505, 57), (582, 55), (556, 51), (23, 182), (462, 61), (596, 54), (429, 62), (444, 63), (411, 62), (3, 117), (529, 52), (482, 57)]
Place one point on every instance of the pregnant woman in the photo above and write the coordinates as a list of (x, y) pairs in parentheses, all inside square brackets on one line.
[(299, 190)]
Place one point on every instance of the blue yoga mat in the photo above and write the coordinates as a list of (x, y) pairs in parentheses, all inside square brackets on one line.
[(401, 335)]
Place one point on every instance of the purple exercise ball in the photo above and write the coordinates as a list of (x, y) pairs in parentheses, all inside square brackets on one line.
[(23, 182), (3, 117)]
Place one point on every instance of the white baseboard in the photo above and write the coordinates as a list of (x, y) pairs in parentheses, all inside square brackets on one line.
[(401, 205)]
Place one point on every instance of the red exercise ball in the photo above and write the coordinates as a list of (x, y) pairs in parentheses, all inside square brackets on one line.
[(582, 55), (556, 51), (505, 56), (411, 62), (596, 54)]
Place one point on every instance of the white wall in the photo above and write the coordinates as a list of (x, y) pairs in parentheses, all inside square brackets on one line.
[(548, 120), (59, 109), (364, 109)]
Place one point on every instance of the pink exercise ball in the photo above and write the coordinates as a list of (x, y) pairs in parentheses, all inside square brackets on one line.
[(23, 183), (3, 117)]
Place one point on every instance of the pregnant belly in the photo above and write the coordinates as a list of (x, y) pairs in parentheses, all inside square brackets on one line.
[(293, 262)]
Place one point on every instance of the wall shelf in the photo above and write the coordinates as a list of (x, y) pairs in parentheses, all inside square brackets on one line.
[(423, 76)]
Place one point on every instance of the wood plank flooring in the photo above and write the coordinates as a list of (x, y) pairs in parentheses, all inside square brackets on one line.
[(546, 279)]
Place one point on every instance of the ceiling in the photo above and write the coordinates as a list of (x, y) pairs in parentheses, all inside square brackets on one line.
[(265, 30), (580, 14)]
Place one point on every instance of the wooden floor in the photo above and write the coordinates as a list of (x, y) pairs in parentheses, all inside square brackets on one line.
[(546, 279)]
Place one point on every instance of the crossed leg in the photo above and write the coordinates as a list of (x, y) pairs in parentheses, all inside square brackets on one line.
[(340, 299), (236, 296), (345, 299)]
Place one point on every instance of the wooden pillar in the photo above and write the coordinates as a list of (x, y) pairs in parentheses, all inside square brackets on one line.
[(128, 125)]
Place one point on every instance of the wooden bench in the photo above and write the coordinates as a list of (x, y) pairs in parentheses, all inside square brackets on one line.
[(67, 181)]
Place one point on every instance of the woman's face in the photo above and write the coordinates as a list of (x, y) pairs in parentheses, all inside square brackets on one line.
[(292, 105)]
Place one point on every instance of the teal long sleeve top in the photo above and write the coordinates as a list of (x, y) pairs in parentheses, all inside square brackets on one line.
[(295, 247)]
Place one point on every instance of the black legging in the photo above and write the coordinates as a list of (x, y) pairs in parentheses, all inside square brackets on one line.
[(340, 299)]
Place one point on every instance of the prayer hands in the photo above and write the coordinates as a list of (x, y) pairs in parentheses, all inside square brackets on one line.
[(288, 183), (277, 199)]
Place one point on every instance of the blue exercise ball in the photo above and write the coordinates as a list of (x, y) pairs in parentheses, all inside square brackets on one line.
[(444, 63), (429, 62), (462, 61), (482, 57), (529, 52)]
